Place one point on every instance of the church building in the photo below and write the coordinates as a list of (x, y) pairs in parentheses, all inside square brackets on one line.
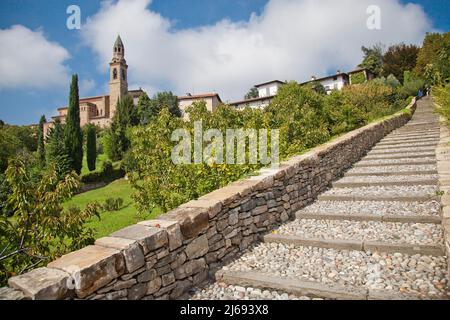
[(100, 110)]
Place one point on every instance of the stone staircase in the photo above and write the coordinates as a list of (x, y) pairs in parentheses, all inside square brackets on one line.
[(376, 234)]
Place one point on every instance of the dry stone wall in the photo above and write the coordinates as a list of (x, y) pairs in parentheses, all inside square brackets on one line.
[(164, 258)]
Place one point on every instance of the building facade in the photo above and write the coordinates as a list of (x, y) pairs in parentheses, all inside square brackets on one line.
[(212, 100), (99, 110)]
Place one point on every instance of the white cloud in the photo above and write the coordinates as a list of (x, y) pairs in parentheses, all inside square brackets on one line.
[(28, 59), (291, 39)]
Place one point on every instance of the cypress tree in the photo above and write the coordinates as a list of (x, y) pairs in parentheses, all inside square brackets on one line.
[(41, 142), (91, 147), (55, 151), (73, 136)]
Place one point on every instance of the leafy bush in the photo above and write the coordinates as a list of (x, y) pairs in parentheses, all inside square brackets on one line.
[(441, 95), (112, 204), (358, 78), (412, 87), (40, 229), (304, 117), (107, 174)]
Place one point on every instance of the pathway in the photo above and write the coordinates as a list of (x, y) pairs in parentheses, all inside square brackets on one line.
[(376, 234)]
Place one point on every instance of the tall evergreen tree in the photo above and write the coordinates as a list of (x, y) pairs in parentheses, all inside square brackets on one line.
[(73, 136), (41, 142), (91, 147), (56, 152), (126, 116)]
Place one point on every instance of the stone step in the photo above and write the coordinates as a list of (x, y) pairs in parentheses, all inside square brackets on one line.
[(392, 170), (379, 210), (370, 217), (358, 245), (399, 136), (401, 150), (394, 162), (306, 288), (393, 180), (390, 138), (400, 155), (291, 285), (405, 144), (381, 193), (312, 271)]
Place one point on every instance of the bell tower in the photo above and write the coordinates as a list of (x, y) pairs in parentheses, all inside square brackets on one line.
[(118, 76)]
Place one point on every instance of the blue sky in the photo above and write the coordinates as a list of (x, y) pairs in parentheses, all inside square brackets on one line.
[(24, 104)]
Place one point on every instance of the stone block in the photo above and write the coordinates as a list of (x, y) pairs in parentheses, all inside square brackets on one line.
[(137, 291), (154, 285), (211, 205), (149, 238), (43, 284), (173, 231), (193, 221), (189, 268), (92, 267), (197, 248), (131, 250)]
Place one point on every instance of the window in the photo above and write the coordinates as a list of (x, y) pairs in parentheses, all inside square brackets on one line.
[(334, 78), (123, 75), (114, 73)]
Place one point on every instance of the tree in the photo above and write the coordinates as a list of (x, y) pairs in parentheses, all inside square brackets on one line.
[(55, 151), (41, 142), (142, 107), (116, 141), (73, 136), (373, 58), (251, 94), (152, 107), (398, 59), (433, 58), (91, 147), (41, 229), (2, 123)]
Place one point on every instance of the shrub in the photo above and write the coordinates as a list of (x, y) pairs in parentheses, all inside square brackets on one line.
[(41, 229), (304, 117), (112, 204), (91, 147)]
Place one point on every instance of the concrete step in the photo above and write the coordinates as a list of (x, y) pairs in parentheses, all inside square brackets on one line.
[(399, 136), (400, 155), (405, 144), (370, 217), (393, 180), (394, 162), (358, 245), (294, 286), (410, 137), (400, 149), (381, 193), (392, 170)]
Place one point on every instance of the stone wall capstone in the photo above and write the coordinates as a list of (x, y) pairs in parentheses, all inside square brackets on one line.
[(164, 258)]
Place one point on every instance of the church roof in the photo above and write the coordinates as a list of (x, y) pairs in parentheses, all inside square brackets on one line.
[(118, 42)]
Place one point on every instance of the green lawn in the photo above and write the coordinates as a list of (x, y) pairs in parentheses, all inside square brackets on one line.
[(98, 163), (111, 221)]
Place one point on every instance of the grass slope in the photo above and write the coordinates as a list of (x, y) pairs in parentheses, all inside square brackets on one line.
[(115, 220)]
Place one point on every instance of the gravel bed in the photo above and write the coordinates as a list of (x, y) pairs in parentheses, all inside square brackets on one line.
[(399, 169), (223, 291), (428, 208), (415, 177), (385, 190), (405, 160), (396, 272), (390, 232)]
